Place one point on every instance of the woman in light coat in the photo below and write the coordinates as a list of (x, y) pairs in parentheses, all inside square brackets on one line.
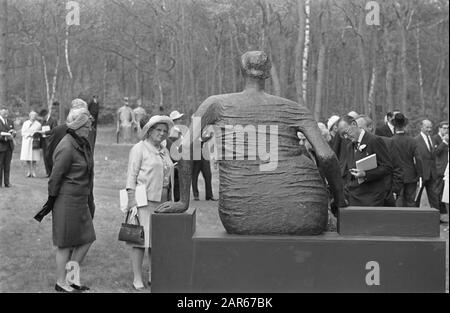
[(27, 152), (150, 165)]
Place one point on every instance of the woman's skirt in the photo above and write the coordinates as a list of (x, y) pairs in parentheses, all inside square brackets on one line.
[(72, 221), (145, 219)]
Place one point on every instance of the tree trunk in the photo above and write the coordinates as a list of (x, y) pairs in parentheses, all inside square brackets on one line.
[(104, 78), (69, 70), (232, 63), (28, 76), (3, 50), (122, 78), (299, 52), (306, 54), (373, 77), (365, 76), (320, 71), (284, 71), (47, 84), (137, 76), (405, 75), (390, 70), (419, 72)]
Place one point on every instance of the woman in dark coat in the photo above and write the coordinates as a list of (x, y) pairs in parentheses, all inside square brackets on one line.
[(69, 188)]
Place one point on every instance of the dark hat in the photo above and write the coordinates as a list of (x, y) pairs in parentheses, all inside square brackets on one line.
[(399, 120)]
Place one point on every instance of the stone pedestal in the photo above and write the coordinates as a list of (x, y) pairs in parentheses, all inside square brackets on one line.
[(370, 258)]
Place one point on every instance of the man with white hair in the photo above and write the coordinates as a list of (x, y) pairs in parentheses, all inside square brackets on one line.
[(174, 137), (427, 151)]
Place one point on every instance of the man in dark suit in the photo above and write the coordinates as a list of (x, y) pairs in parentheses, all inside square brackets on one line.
[(7, 133), (364, 188), (441, 139), (337, 143), (427, 151), (48, 123), (409, 158), (94, 109), (394, 181), (387, 130)]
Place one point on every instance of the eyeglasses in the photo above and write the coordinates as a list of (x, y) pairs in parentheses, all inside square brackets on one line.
[(345, 133)]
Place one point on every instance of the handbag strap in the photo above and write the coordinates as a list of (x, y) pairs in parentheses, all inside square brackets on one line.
[(136, 217)]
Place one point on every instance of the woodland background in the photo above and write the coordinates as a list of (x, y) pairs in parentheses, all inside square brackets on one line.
[(173, 54)]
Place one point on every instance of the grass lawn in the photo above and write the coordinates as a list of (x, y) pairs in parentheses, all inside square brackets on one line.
[(27, 256)]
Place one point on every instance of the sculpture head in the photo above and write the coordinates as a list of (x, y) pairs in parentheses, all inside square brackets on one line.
[(255, 64)]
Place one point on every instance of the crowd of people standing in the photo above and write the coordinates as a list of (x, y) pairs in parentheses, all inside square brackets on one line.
[(406, 164)]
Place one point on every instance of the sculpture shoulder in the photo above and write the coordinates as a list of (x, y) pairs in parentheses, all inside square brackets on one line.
[(221, 99)]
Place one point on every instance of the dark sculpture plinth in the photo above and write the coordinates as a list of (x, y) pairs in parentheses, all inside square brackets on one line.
[(188, 260)]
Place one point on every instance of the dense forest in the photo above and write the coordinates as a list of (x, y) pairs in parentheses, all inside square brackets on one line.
[(172, 54)]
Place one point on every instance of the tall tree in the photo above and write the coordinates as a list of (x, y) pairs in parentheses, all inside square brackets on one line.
[(3, 50)]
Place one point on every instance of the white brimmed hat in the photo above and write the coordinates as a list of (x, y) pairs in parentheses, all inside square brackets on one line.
[(157, 119), (175, 115), (331, 121), (353, 114)]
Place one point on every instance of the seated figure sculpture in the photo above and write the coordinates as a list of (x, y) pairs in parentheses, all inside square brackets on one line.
[(289, 199)]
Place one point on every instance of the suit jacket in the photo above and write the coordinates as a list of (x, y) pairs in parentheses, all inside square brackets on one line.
[(372, 192), (441, 155), (51, 122), (6, 143), (427, 158), (53, 139), (339, 146), (394, 182), (384, 131), (94, 109), (409, 157)]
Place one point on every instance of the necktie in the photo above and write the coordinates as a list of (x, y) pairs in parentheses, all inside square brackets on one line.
[(430, 146)]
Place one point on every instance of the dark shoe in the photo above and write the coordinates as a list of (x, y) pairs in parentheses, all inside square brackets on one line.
[(212, 199), (80, 288), (8, 186), (58, 288), (196, 199), (444, 219)]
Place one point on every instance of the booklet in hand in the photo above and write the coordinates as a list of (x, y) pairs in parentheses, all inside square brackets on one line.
[(366, 164), (141, 198)]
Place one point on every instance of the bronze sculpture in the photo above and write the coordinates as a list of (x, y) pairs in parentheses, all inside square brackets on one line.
[(288, 199)]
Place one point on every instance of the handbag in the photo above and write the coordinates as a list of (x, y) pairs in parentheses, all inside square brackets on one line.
[(132, 233), (36, 143)]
